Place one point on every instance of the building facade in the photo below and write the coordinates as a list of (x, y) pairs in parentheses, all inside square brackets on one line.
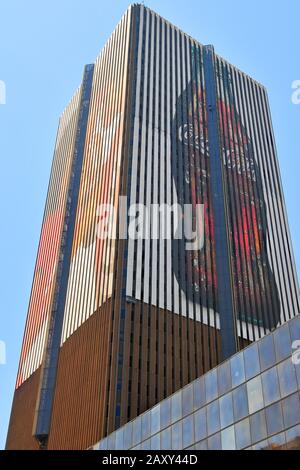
[(117, 323)]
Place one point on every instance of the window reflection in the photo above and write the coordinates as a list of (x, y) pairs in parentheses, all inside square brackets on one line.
[(155, 442), (224, 378), (187, 400), (176, 406), (177, 436), (213, 417), (214, 442), (237, 369), (282, 342), (274, 419), (252, 365), (199, 393), (226, 410), (166, 439), (258, 426), (291, 410), (165, 413), (155, 419), (228, 439), (200, 425), (255, 395), (270, 386), (277, 442), (242, 434), (136, 431), (240, 403), (119, 439), (211, 385), (188, 431), (146, 426), (287, 378), (293, 438), (128, 436), (266, 352)]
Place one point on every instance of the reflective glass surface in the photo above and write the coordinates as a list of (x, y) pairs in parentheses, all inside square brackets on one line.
[(119, 439), (277, 442), (226, 410), (255, 395), (155, 419), (166, 441), (293, 438), (165, 413), (252, 365), (111, 445), (146, 425), (199, 393), (287, 377), (224, 378), (201, 445), (282, 341), (214, 442), (128, 436), (237, 369), (274, 419), (291, 410), (200, 425), (228, 438), (176, 406), (295, 328), (188, 431), (177, 436), (211, 385), (213, 417), (242, 434), (266, 352), (270, 385), (155, 442), (240, 402), (258, 426), (136, 431), (187, 400)]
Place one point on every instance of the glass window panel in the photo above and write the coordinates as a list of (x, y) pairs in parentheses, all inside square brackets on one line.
[(213, 417), (177, 436), (274, 419), (270, 385), (252, 365), (187, 400), (294, 325), (155, 419), (146, 445), (137, 431), (199, 393), (112, 441), (120, 439), (293, 438), (146, 425), (240, 402), (228, 439), (266, 352), (263, 445), (211, 385), (277, 442), (128, 436), (282, 341), (255, 395), (237, 369), (200, 425), (242, 434), (201, 445), (226, 410), (287, 378), (291, 410), (224, 378), (258, 426), (188, 431), (155, 442), (214, 442), (176, 406), (165, 413), (166, 439), (103, 444)]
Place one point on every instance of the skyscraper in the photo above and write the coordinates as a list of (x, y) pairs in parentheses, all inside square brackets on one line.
[(117, 323)]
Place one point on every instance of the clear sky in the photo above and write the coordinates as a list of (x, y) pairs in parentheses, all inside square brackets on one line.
[(43, 48)]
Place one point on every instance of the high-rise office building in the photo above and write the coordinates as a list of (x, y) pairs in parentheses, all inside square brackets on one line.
[(169, 135)]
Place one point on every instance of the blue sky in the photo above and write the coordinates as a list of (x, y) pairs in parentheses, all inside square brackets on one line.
[(43, 48)]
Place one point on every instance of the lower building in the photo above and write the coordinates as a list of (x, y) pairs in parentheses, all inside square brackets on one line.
[(251, 402)]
